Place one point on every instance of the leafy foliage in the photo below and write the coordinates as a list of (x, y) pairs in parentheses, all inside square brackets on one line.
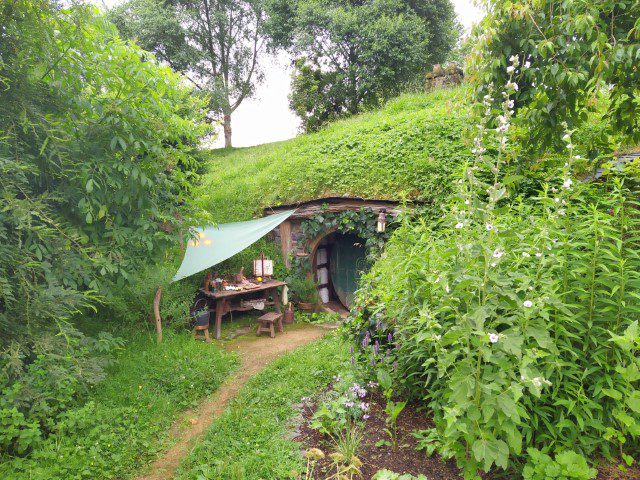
[(95, 161), (567, 465), (576, 53), (504, 312), (353, 55)]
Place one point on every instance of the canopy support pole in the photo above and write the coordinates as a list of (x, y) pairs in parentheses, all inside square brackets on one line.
[(156, 314)]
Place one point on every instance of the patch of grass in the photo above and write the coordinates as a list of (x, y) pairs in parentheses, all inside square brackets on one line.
[(247, 442), (407, 149), (124, 421)]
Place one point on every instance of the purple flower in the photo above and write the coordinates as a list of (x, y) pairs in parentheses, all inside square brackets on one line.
[(348, 404), (365, 416), (362, 393), (395, 365), (376, 347), (373, 362), (351, 349), (353, 360), (390, 337), (364, 406), (365, 340)]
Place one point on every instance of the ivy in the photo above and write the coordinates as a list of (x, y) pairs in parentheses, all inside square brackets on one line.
[(362, 223)]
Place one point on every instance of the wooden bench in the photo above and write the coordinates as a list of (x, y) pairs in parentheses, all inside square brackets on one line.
[(266, 321)]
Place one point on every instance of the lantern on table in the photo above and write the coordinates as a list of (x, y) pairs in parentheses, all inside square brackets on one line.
[(262, 267)]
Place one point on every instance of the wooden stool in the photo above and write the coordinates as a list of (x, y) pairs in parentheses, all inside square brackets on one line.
[(204, 329), (266, 321)]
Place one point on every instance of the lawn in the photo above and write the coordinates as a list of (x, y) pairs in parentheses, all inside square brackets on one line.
[(124, 421)]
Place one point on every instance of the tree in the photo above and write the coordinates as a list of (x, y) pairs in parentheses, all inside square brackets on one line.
[(355, 54), (572, 58), (215, 43), (95, 162)]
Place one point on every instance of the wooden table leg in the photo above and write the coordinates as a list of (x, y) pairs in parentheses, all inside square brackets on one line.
[(220, 304)]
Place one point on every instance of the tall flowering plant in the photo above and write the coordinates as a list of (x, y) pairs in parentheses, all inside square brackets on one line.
[(505, 311)]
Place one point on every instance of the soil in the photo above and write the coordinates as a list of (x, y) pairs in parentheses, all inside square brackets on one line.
[(405, 458), (255, 353)]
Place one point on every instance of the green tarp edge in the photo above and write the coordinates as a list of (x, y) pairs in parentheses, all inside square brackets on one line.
[(216, 244)]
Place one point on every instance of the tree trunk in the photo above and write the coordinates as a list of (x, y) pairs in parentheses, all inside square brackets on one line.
[(156, 314), (226, 125)]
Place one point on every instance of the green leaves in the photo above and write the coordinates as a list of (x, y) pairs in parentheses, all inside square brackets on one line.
[(488, 451)]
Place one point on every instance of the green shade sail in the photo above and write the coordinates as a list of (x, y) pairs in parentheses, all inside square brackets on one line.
[(218, 243)]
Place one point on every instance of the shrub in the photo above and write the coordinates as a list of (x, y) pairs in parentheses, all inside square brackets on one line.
[(567, 465), (504, 314)]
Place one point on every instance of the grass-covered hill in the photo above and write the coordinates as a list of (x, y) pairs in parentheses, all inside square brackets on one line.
[(406, 150)]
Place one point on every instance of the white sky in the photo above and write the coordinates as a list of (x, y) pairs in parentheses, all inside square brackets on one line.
[(266, 117)]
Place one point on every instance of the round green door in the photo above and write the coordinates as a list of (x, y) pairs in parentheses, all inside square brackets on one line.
[(346, 264)]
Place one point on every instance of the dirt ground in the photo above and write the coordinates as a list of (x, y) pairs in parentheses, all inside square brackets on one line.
[(255, 353)]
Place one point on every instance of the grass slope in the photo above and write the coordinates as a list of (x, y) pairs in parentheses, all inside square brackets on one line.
[(248, 441), (406, 150), (124, 421)]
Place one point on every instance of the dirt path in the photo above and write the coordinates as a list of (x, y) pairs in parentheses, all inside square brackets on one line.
[(255, 353)]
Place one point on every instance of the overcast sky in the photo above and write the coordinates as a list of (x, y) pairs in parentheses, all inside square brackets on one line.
[(266, 117)]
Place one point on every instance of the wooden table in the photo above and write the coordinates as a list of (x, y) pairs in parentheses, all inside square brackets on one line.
[(224, 299)]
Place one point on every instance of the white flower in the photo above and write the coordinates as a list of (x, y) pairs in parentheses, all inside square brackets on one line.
[(536, 382), (561, 211), (538, 254), (528, 303), (467, 202), (497, 253), (494, 337), (514, 59), (446, 288), (530, 288), (577, 157), (566, 137), (437, 280), (459, 225), (567, 183), (557, 199), (525, 254), (493, 264), (510, 103), (527, 64), (569, 146), (437, 338), (511, 69), (489, 226)]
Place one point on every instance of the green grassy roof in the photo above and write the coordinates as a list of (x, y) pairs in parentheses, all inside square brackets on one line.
[(406, 150)]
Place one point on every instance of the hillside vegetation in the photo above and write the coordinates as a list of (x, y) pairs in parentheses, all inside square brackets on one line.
[(409, 149)]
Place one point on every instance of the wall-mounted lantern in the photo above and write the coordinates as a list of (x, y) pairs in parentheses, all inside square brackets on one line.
[(382, 220)]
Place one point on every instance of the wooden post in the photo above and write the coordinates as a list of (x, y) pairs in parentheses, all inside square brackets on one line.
[(285, 241), (156, 313)]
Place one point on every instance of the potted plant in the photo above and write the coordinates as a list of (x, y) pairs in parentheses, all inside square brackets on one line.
[(304, 292)]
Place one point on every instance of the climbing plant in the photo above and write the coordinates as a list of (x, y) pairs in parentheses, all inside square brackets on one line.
[(362, 223)]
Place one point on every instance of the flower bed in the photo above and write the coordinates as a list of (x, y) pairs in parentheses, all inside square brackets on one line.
[(405, 458)]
